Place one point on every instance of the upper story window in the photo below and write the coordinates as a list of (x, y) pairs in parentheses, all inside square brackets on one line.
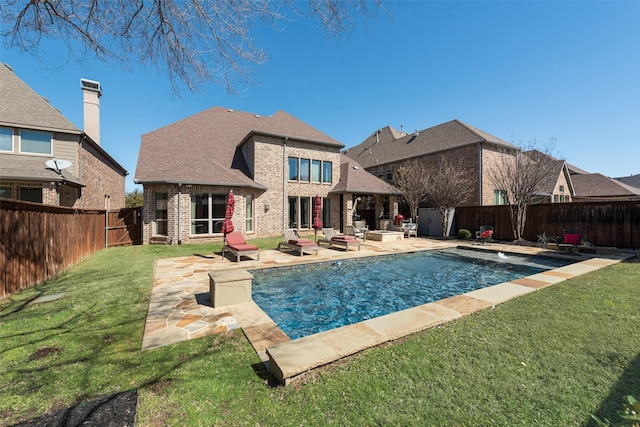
[(327, 172), (389, 176), (499, 197), (293, 168), (316, 170), (6, 139), (33, 141), (562, 188), (310, 170), (305, 169)]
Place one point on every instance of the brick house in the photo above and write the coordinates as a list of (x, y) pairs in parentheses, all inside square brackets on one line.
[(275, 165), (476, 151), (33, 132)]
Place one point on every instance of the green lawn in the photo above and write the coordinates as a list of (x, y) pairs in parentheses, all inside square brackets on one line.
[(553, 357)]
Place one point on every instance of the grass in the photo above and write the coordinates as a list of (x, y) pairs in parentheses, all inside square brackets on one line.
[(552, 357)]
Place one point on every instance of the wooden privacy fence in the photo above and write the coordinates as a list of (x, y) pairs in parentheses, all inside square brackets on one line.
[(608, 224), (39, 241)]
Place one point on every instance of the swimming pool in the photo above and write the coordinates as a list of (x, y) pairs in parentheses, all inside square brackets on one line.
[(312, 298)]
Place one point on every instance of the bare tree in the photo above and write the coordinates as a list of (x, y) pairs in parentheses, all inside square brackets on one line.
[(520, 176), (449, 185), (193, 41), (410, 179)]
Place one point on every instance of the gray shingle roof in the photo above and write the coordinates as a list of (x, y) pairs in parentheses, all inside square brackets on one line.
[(354, 179), (204, 148), (632, 180), (598, 185), (442, 137), (22, 107), (30, 168)]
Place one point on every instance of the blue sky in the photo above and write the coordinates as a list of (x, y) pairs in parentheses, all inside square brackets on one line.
[(522, 71)]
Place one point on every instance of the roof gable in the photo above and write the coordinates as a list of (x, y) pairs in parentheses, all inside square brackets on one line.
[(438, 138), (204, 148), (355, 179), (22, 107)]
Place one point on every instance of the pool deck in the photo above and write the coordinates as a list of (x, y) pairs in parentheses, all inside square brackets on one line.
[(180, 306)]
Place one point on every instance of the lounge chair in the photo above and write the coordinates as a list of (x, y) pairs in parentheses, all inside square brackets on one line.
[(237, 245), (571, 239), (485, 234), (332, 238), (350, 230), (293, 241)]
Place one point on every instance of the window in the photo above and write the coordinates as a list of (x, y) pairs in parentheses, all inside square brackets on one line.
[(293, 212), (6, 139), (304, 169), (562, 188), (31, 194), (161, 213), (293, 168), (5, 192), (315, 170), (326, 211), (380, 172), (327, 172), (207, 213), (385, 207), (389, 173), (32, 141), (499, 197), (249, 221), (305, 212)]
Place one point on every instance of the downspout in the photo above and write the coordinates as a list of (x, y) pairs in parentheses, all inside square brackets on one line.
[(284, 182), (106, 228), (480, 173), (179, 213)]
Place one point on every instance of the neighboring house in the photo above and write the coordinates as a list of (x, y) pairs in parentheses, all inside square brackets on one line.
[(33, 132), (275, 166), (632, 180), (597, 187), (475, 150), (558, 187)]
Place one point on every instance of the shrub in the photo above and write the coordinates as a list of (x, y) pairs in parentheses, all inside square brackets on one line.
[(464, 234)]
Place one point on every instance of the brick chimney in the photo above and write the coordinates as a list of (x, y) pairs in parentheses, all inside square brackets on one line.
[(92, 91)]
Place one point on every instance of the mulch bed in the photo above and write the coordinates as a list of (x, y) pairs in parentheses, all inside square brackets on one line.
[(117, 410)]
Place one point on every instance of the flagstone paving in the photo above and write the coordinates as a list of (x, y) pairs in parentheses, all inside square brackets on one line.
[(180, 307)]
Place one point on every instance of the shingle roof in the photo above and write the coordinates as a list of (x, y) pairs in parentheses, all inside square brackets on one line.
[(30, 168), (632, 180), (442, 137), (354, 179), (598, 185), (205, 148), (22, 107)]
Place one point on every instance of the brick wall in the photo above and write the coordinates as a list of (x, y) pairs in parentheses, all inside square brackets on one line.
[(103, 183)]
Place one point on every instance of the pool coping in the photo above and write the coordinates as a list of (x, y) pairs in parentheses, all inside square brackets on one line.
[(290, 360)]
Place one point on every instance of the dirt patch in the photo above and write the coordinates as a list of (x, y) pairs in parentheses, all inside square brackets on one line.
[(43, 352), (117, 410)]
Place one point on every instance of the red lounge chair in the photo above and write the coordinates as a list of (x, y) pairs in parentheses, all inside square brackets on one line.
[(485, 233), (332, 238), (571, 239), (293, 241), (237, 245)]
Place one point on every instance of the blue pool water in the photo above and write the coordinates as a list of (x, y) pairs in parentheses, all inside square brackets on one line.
[(312, 298)]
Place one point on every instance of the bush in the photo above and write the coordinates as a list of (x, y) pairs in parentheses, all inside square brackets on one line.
[(464, 234)]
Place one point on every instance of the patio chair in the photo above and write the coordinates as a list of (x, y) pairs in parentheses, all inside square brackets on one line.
[(410, 229), (571, 239), (237, 245), (485, 234), (350, 230), (292, 241), (332, 238)]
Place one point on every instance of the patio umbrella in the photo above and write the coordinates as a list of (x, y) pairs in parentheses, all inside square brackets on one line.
[(227, 224), (317, 220)]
